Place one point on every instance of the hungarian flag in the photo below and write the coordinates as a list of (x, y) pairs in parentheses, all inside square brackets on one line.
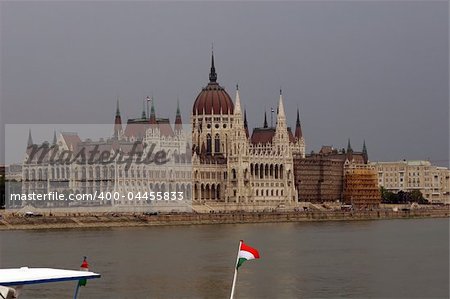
[(84, 267), (246, 253)]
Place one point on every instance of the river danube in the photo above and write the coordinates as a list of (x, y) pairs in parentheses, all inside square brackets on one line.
[(360, 259)]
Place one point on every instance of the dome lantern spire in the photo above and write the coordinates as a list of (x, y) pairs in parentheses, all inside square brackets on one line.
[(213, 99), (212, 73)]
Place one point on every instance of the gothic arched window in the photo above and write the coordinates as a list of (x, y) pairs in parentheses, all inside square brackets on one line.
[(208, 144), (217, 144)]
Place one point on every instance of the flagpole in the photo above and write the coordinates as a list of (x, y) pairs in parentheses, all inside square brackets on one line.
[(75, 296), (84, 267), (148, 113), (235, 272)]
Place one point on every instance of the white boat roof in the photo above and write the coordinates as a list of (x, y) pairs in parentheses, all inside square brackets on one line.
[(25, 275)]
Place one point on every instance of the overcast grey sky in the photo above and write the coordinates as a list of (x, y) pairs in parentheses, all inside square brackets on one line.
[(362, 70)]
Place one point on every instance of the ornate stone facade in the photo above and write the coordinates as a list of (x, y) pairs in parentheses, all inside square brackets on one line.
[(232, 167), (124, 174), (229, 166)]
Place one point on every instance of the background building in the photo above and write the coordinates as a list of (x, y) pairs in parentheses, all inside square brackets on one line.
[(319, 178), (337, 175), (432, 181)]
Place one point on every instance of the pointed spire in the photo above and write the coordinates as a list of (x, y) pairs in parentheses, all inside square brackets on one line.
[(147, 100), (281, 130), (178, 122), (245, 118), (237, 103), (349, 151), (117, 121), (349, 146), (152, 119), (30, 139), (212, 73), (245, 123), (144, 115), (298, 127), (265, 120), (54, 137), (117, 107), (281, 106), (364, 152)]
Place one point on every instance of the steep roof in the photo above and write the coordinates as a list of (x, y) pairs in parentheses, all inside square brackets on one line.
[(262, 135), (291, 136), (71, 139), (136, 128)]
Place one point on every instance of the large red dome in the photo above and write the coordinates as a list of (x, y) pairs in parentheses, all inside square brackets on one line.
[(213, 99)]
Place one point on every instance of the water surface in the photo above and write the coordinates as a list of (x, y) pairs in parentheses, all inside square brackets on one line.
[(376, 259)]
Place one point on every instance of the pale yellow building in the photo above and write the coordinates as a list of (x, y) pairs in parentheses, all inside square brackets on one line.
[(432, 181)]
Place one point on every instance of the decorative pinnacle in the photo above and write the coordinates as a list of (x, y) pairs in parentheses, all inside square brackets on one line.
[(54, 137), (117, 107), (245, 118), (30, 139), (265, 119), (349, 146), (178, 106), (144, 115)]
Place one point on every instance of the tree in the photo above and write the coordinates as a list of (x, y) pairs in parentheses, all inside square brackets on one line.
[(388, 196), (404, 197), (417, 196)]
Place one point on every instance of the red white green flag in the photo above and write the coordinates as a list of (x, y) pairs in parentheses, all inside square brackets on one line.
[(84, 267), (246, 253)]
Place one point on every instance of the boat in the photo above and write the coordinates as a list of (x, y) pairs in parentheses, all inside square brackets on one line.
[(13, 280)]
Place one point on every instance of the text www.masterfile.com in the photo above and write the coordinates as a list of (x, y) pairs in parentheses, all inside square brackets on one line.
[(97, 195)]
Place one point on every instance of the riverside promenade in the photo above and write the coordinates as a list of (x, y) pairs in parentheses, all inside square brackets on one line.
[(10, 221)]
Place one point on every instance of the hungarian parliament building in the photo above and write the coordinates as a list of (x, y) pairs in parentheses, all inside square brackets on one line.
[(215, 162)]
